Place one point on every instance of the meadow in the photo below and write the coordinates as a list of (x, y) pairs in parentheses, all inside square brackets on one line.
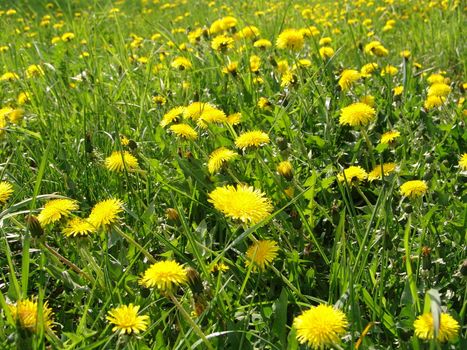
[(267, 174)]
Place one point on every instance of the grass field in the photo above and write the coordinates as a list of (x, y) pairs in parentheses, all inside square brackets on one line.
[(233, 174)]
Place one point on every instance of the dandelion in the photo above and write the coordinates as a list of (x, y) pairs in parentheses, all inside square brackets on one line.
[(291, 39), (405, 54), (439, 90), (425, 328), (248, 32), (353, 175), (67, 37), (285, 169), (172, 116), (389, 137), (244, 203), (219, 157), (181, 63), (255, 63), (34, 70), (120, 161), (55, 209), (185, 131), (222, 43), (105, 212), (264, 103), (414, 188), (326, 52), (389, 70), (231, 68), (261, 254), (234, 118), (6, 189), (262, 44), (368, 69), (164, 275), (25, 314), (326, 41), (462, 163), (398, 90), (321, 326), (348, 77), (78, 227), (252, 139), (434, 101), (377, 172), (9, 76), (357, 114), (375, 48), (436, 78), (126, 319), (23, 98)]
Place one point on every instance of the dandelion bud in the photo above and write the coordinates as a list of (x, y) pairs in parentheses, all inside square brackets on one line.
[(194, 281), (34, 227), (463, 269), (171, 214), (285, 169)]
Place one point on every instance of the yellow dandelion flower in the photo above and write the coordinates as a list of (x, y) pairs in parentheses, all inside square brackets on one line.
[(325, 41), (326, 52), (375, 48), (348, 77), (353, 175), (357, 114), (164, 275), (405, 54), (55, 209), (262, 44), (196, 109), (244, 203), (172, 116), (67, 37), (185, 131), (377, 172), (25, 314), (254, 138), (255, 63), (9, 76), (6, 189), (285, 169), (389, 70), (436, 78), (321, 326), (219, 157), (414, 188), (368, 69), (23, 98), (228, 22), (434, 101), (78, 227), (105, 212), (120, 161), (261, 254), (398, 90), (264, 103), (248, 32), (290, 39), (222, 43), (181, 63), (126, 319), (439, 89), (231, 68), (389, 137), (34, 70), (425, 328), (462, 164), (368, 100), (234, 118)]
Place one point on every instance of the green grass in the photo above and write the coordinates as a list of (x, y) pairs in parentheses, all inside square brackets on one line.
[(381, 258)]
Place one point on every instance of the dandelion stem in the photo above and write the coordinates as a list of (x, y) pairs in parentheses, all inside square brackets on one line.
[(68, 263), (136, 244), (187, 317)]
